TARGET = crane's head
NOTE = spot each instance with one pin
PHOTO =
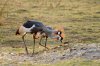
(60, 35)
(57, 34)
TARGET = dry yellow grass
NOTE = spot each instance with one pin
(79, 18)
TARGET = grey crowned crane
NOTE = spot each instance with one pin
(37, 28)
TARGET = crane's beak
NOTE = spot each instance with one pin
(61, 41)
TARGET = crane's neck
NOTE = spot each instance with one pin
(49, 32)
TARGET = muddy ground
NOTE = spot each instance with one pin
(87, 51)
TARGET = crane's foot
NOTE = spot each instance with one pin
(32, 54)
(46, 48)
(26, 51)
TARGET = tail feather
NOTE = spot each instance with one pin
(17, 32)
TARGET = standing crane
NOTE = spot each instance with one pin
(38, 28)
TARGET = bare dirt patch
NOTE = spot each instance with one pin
(87, 51)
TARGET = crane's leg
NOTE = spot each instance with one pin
(25, 44)
(46, 43)
(33, 44)
(41, 44)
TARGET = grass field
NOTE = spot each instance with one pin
(80, 19)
